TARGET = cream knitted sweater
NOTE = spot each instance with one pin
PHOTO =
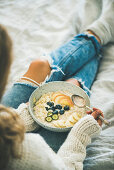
(35, 154)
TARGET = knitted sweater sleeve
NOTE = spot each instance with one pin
(104, 25)
(30, 124)
(73, 151)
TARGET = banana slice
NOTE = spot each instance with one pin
(72, 119)
(59, 123)
(69, 123)
(76, 116)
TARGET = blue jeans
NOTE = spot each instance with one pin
(78, 59)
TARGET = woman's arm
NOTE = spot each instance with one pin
(30, 124)
(103, 27)
(73, 151)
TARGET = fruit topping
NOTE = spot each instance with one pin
(47, 108)
(55, 117)
(50, 104)
(49, 114)
(62, 99)
(61, 111)
(66, 108)
(56, 94)
(58, 106)
(48, 118)
(63, 104)
(55, 112)
(52, 108)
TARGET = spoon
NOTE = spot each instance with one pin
(79, 101)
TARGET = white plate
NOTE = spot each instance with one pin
(52, 87)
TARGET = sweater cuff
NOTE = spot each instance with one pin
(87, 125)
(30, 124)
(86, 128)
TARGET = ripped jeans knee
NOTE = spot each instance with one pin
(78, 58)
(56, 74)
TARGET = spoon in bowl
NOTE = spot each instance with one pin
(79, 101)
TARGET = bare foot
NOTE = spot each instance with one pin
(96, 36)
(73, 81)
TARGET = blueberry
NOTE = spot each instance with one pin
(47, 108)
(50, 104)
(55, 112)
(58, 106)
(52, 108)
(66, 108)
(61, 111)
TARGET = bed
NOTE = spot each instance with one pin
(37, 27)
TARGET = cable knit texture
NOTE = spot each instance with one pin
(30, 124)
(73, 151)
(35, 154)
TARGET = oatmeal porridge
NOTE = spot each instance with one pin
(56, 109)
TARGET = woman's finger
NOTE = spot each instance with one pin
(95, 114)
(89, 112)
(99, 122)
(102, 114)
(94, 108)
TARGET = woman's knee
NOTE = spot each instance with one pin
(41, 65)
(73, 81)
(38, 70)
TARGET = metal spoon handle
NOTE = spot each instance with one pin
(106, 122)
(89, 108)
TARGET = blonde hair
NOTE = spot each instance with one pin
(11, 126)
(5, 58)
(11, 134)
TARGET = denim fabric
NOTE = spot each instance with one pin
(78, 58)
(87, 74)
(19, 93)
(73, 55)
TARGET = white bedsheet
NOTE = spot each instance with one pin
(39, 26)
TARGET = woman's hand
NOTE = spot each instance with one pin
(96, 113)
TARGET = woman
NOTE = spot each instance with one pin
(29, 151)
(76, 62)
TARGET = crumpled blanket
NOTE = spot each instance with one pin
(36, 28)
